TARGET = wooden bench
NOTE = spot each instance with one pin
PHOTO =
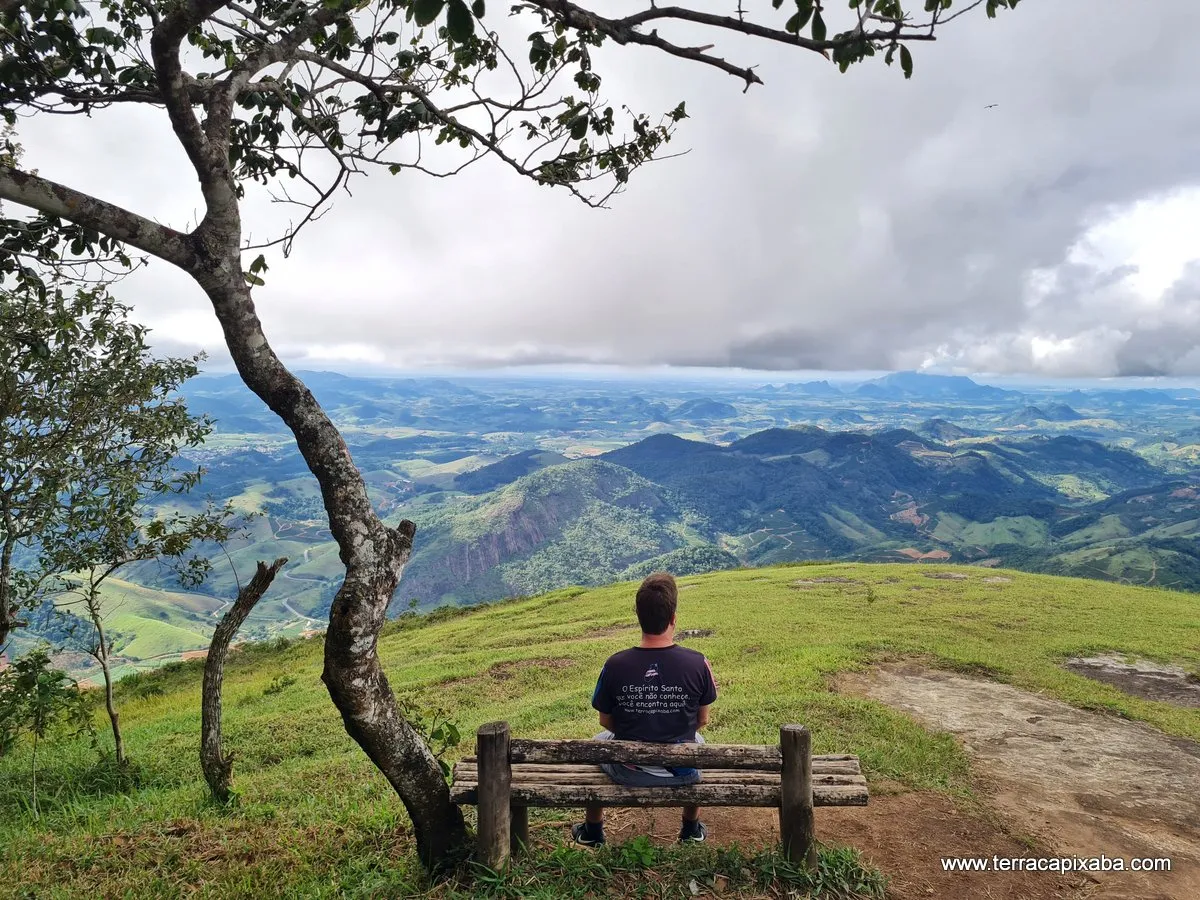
(506, 777)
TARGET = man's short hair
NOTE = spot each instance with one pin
(656, 601)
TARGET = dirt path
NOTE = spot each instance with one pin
(1080, 783)
(904, 835)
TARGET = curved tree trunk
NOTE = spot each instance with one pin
(374, 556)
(218, 768)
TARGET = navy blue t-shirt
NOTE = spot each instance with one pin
(654, 694)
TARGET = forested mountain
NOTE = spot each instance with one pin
(524, 485)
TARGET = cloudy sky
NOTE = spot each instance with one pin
(819, 222)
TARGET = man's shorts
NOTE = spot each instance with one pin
(648, 776)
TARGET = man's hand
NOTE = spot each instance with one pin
(702, 717)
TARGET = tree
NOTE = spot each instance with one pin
(93, 429)
(302, 95)
(89, 427)
(120, 536)
(217, 766)
(35, 699)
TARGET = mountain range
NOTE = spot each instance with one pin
(524, 485)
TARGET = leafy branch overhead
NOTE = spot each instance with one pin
(266, 87)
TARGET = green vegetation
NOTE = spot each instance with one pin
(1067, 497)
(314, 818)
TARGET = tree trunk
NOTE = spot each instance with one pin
(33, 774)
(8, 608)
(101, 654)
(361, 692)
(217, 767)
(374, 556)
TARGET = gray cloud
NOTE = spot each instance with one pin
(821, 221)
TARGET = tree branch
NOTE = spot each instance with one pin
(53, 199)
(172, 83)
(624, 31)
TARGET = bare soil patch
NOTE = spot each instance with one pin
(997, 579)
(1080, 783)
(1141, 678)
(905, 836)
(809, 582)
(694, 633)
(947, 576)
(506, 670)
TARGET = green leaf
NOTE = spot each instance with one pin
(425, 11)
(818, 27)
(579, 128)
(478, 9)
(906, 61)
(254, 280)
(804, 11)
(460, 24)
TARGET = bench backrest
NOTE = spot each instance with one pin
(700, 756)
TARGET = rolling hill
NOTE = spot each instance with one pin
(506, 479)
(535, 521)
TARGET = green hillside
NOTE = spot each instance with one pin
(315, 819)
(494, 523)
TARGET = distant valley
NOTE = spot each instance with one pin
(519, 486)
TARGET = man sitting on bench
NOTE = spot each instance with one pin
(659, 692)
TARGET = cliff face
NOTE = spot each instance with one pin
(464, 558)
(513, 534)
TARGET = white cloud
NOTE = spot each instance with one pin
(821, 221)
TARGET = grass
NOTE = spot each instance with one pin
(315, 819)
(1023, 530)
(640, 869)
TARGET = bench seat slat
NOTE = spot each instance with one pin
(530, 775)
(830, 763)
(563, 769)
(576, 795)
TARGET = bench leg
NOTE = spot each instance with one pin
(520, 829)
(494, 794)
(796, 825)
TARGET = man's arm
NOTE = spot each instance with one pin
(709, 697)
(602, 702)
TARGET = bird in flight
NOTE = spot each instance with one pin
(990, 105)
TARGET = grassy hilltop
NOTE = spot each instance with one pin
(315, 819)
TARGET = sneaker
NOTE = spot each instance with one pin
(590, 834)
(693, 832)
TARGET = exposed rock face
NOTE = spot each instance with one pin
(468, 556)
